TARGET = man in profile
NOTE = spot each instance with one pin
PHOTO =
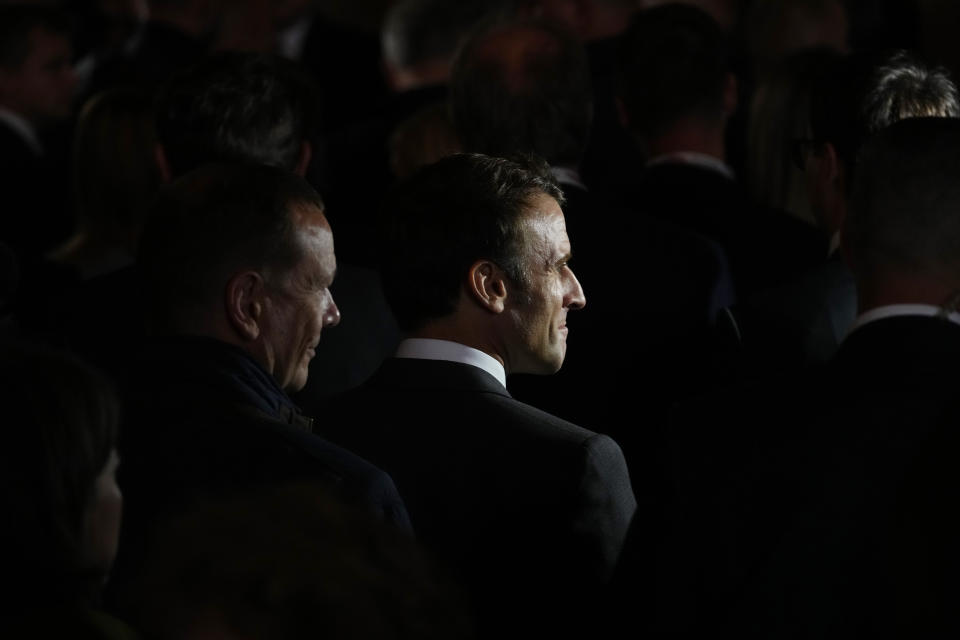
(242, 107)
(528, 510)
(237, 263)
(37, 85)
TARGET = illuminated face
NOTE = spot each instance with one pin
(299, 304)
(42, 88)
(538, 315)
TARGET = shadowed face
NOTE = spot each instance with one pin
(299, 304)
(539, 313)
(41, 89)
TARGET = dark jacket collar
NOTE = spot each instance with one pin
(221, 374)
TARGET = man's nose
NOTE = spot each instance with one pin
(332, 317)
(576, 299)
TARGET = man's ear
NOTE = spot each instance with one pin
(486, 283)
(244, 301)
(160, 156)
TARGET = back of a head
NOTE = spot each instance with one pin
(868, 92)
(62, 418)
(115, 172)
(445, 217)
(235, 107)
(774, 30)
(672, 64)
(417, 32)
(905, 201)
(523, 87)
(211, 222)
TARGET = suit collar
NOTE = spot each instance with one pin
(432, 349)
(904, 310)
(694, 159)
(408, 374)
(905, 343)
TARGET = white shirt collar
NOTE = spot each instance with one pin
(432, 349)
(693, 158)
(893, 310)
(22, 127)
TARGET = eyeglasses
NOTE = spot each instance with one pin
(800, 150)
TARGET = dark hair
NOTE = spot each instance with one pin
(448, 215)
(419, 31)
(236, 107)
(16, 23)
(213, 221)
(62, 419)
(673, 63)
(779, 123)
(114, 171)
(867, 92)
(906, 196)
(523, 87)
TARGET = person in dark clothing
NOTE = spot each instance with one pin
(527, 509)
(60, 500)
(237, 263)
(37, 84)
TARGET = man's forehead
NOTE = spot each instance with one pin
(545, 224)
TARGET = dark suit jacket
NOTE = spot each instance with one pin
(36, 214)
(202, 419)
(765, 247)
(842, 568)
(785, 500)
(799, 323)
(528, 510)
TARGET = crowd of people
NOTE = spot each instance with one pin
(527, 318)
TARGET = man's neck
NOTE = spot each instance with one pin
(452, 351)
(689, 135)
(893, 288)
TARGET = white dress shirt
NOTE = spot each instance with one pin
(431, 349)
(893, 310)
(696, 159)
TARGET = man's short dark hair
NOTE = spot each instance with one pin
(531, 94)
(212, 222)
(235, 107)
(445, 217)
(16, 23)
(673, 63)
(865, 93)
(906, 199)
(420, 31)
